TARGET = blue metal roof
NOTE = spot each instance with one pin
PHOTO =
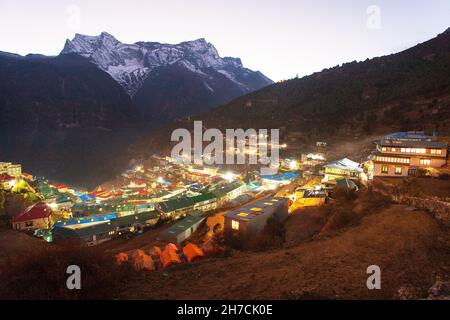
(408, 135)
(86, 197)
(95, 218)
(281, 176)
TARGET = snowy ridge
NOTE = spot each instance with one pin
(130, 64)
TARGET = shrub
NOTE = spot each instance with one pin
(344, 195)
(421, 172)
(372, 201)
(444, 176)
(272, 236)
(410, 187)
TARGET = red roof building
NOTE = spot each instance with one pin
(36, 216)
(27, 176)
(4, 177)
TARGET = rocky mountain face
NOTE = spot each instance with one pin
(62, 117)
(169, 81)
(72, 117)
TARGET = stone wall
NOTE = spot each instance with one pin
(438, 208)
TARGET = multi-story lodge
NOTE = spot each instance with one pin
(403, 153)
(342, 169)
(14, 170)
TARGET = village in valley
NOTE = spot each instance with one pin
(160, 213)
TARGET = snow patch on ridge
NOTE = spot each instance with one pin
(130, 64)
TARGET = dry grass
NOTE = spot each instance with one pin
(42, 274)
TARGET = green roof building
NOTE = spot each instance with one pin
(174, 208)
(182, 230)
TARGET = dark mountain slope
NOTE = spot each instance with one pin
(326, 101)
(61, 116)
(174, 91)
(404, 91)
(169, 81)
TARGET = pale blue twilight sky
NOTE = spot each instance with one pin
(278, 37)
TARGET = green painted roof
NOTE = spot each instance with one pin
(222, 191)
(182, 225)
(346, 183)
(137, 218)
(83, 232)
(184, 202)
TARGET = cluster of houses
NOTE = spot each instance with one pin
(99, 216)
(91, 221)
(398, 154)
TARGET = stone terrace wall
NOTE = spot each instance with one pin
(438, 208)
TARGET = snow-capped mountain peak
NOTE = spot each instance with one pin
(130, 64)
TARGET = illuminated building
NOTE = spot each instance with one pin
(403, 153)
(310, 198)
(246, 222)
(14, 170)
(228, 192)
(36, 216)
(343, 168)
(178, 207)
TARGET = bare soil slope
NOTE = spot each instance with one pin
(409, 246)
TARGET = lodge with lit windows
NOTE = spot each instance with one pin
(403, 153)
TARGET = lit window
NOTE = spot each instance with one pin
(393, 149)
(425, 162)
(242, 214)
(383, 149)
(398, 170)
(255, 209)
(436, 151)
(403, 150)
(384, 169)
(234, 225)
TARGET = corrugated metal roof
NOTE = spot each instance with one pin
(36, 211)
(182, 225)
(281, 176)
(184, 202)
(255, 209)
(344, 164)
(223, 190)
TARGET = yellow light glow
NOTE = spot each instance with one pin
(53, 205)
(229, 176)
(293, 165)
